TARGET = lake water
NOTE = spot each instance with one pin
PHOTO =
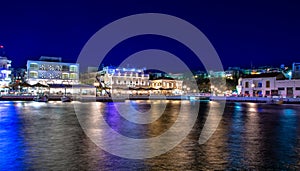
(48, 136)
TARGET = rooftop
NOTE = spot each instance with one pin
(278, 75)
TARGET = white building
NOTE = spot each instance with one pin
(50, 70)
(288, 88)
(267, 85)
(167, 86)
(120, 80)
(5, 72)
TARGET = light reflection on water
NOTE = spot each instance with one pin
(47, 136)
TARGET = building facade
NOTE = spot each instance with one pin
(296, 71)
(261, 85)
(268, 85)
(50, 70)
(166, 86)
(120, 80)
(5, 71)
(288, 88)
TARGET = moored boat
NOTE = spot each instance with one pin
(276, 101)
(66, 99)
(41, 98)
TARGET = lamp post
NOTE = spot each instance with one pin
(212, 90)
(184, 89)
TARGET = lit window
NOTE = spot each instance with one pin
(65, 76)
(73, 76)
(73, 68)
(34, 66)
(259, 85)
(33, 74)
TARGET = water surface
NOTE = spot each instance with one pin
(48, 136)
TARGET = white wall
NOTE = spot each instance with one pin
(295, 84)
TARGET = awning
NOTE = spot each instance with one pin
(39, 85)
(21, 84)
(71, 86)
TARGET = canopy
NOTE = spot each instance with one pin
(21, 84)
(3, 86)
(39, 85)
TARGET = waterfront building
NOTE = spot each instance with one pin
(268, 85)
(288, 88)
(216, 74)
(200, 75)
(166, 86)
(51, 70)
(121, 80)
(296, 71)
(5, 72)
(232, 73)
(157, 74)
(259, 84)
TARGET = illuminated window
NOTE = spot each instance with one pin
(73, 68)
(33, 74)
(34, 66)
(259, 85)
(73, 76)
(65, 76)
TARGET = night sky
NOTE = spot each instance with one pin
(259, 32)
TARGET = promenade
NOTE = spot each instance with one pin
(255, 99)
(123, 98)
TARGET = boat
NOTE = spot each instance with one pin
(66, 98)
(198, 98)
(41, 98)
(275, 101)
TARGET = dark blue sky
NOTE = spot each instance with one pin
(262, 32)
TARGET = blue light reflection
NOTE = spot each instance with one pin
(11, 141)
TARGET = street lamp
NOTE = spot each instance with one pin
(184, 88)
(212, 90)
